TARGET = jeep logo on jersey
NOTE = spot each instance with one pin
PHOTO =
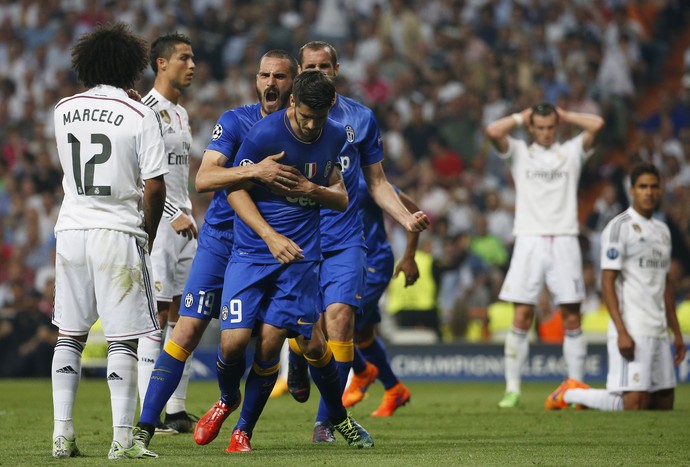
(165, 116)
(188, 300)
(217, 132)
(350, 132)
(310, 169)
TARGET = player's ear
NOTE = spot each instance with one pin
(292, 100)
(161, 63)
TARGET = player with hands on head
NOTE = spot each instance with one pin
(546, 230)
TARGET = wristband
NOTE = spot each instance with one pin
(519, 119)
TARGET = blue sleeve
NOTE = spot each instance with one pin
(371, 145)
(225, 139)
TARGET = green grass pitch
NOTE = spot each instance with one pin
(444, 424)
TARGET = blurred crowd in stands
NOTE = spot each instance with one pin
(434, 71)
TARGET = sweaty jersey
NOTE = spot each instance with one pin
(546, 182)
(640, 249)
(294, 217)
(227, 137)
(379, 251)
(178, 140)
(108, 145)
(364, 147)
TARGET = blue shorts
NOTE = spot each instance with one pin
(283, 295)
(378, 278)
(202, 292)
(343, 273)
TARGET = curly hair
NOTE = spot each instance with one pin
(110, 54)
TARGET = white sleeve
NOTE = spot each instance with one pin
(612, 247)
(151, 147)
(512, 143)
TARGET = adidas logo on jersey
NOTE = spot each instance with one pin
(67, 370)
(114, 377)
(171, 130)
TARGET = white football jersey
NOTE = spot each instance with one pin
(546, 182)
(640, 249)
(108, 145)
(178, 141)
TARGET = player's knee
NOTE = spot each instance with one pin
(636, 401)
(188, 332)
(340, 323)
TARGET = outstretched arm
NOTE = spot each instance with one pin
(590, 124)
(282, 248)
(213, 175)
(386, 197)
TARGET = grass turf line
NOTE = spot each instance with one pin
(444, 424)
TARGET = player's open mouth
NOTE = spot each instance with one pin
(271, 95)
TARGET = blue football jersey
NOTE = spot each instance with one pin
(364, 147)
(227, 137)
(294, 217)
(379, 252)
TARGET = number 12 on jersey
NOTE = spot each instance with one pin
(87, 187)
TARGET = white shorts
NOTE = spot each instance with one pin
(103, 273)
(554, 261)
(651, 370)
(171, 260)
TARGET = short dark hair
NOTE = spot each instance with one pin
(641, 169)
(543, 109)
(283, 55)
(164, 47)
(314, 89)
(110, 54)
(318, 45)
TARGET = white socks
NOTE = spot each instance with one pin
(599, 399)
(121, 371)
(516, 353)
(574, 353)
(66, 373)
(149, 350)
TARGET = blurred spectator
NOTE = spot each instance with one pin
(447, 164)
(436, 68)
